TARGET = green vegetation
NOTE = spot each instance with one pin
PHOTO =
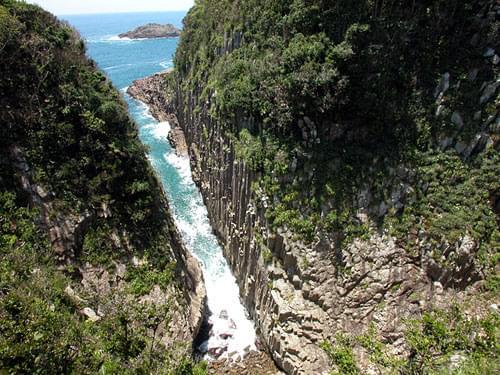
(54, 104)
(440, 334)
(377, 352)
(267, 255)
(334, 107)
(323, 99)
(342, 356)
(456, 201)
(433, 340)
(66, 132)
(142, 278)
(41, 329)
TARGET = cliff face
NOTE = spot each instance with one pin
(66, 235)
(94, 275)
(361, 231)
(307, 293)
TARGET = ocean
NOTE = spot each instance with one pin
(124, 61)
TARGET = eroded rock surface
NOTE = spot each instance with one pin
(147, 90)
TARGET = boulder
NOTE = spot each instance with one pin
(217, 351)
(457, 120)
(90, 314)
(489, 91)
(444, 84)
(490, 52)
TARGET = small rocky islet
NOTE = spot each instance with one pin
(152, 31)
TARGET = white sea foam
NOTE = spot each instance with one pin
(166, 64)
(231, 331)
(145, 112)
(116, 38)
(228, 316)
(108, 39)
(117, 66)
(181, 164)
(157, 130)
(161, 130)
(187, 230)
(231, 328)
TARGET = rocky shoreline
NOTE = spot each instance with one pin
(254, 363)
(146, 90)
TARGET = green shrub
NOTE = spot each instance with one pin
(142, 278)
(439, 334)
(266, 254)
(341, 355)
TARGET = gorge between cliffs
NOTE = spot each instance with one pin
(300, 187)
(227, 332)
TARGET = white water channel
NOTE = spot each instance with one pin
(232, 333)
(124, 61)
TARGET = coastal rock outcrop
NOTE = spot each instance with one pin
(154, 91)
(152, 31)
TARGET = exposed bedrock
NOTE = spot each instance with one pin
(305, 295)
(152, 31)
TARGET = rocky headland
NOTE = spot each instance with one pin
(152, 31)
(147, 91)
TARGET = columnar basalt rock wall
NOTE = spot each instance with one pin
(307, 293)
(305, 296)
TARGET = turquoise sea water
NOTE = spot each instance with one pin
(124, 61)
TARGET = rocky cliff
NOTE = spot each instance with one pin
(94, 275)
(154, 92)
(360, 240)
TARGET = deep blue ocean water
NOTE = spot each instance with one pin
(124, 61)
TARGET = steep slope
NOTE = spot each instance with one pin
(93, 274)
(348, 157)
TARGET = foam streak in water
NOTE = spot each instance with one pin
(231, 327)
(232, 331)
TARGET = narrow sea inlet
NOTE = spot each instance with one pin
(124, 61)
